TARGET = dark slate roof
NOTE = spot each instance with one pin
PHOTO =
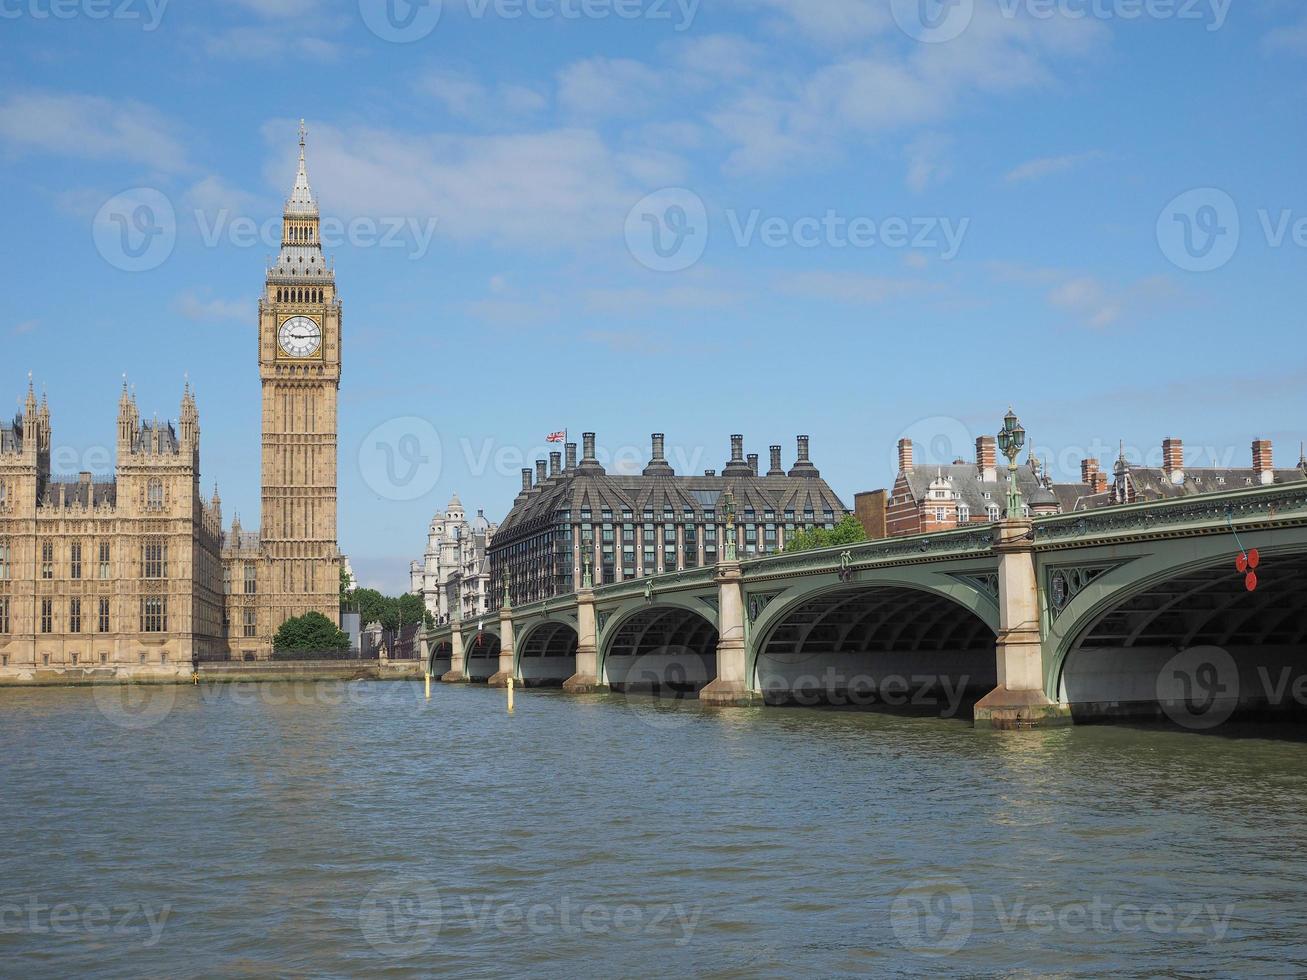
(77, 493)
(11, 436)
(1154, 484)
(167, 438)
(240, 540)
(589, 486)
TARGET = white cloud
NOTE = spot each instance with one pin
(926, 161)
(836, 22)
(1047, 166)
(27, 326)
(89, 126)
(262, 44)
(467, 98)
(544, 189)
(1290, 39)
(193, 307)
(598, 88)
(852, 288)
(278, 8)
(1100, 305)
(789, 119)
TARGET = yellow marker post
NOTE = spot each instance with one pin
(510, 695)
(428, 676)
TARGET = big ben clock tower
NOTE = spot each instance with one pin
(299, 364)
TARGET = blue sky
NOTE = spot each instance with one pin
(867, 228)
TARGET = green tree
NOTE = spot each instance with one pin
(346, 586)
(372, 605)
(310, 633)
(847, 531)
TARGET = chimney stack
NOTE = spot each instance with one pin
(905, 455)
(776, 468)
(737, 466)
(1091, 472)
(753, 463)
(571, 457)
(1263, 462)
(526, 481)
(589, 461)
(803, 465)
(541, 472)
(987, 458)
(1173, 460)
(658, 465)
(555, 464)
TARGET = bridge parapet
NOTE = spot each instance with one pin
(1205, 514)
(938, 546)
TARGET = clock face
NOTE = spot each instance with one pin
(300, 336)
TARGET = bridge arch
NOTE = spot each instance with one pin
(1135, 643)
(922, 640)
(546, 653)
(440, 657)
(662, 648)
(481, 654)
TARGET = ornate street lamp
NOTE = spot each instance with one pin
(728, 503)
(1011, 440)
(587, 561)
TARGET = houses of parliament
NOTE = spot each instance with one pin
(133, 576)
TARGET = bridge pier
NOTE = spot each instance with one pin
(586, 680)
(1019, 701)
(457, 658)
(730, 689)
(507, 665)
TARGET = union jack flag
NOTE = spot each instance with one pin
(557, 436)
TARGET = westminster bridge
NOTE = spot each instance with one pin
(1132, 611)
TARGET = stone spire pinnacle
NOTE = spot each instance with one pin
(301, 201)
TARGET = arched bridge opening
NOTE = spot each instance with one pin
(1197, 649)
(441, 658)
(883, 648)
(662, 651)
(481, 652)
(548, 656)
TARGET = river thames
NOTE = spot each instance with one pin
(346, 829)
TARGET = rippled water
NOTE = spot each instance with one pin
(337, 830)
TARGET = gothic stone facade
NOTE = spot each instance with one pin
(648, 523)
(103, 578)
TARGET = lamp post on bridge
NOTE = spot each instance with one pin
(1011, 440)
